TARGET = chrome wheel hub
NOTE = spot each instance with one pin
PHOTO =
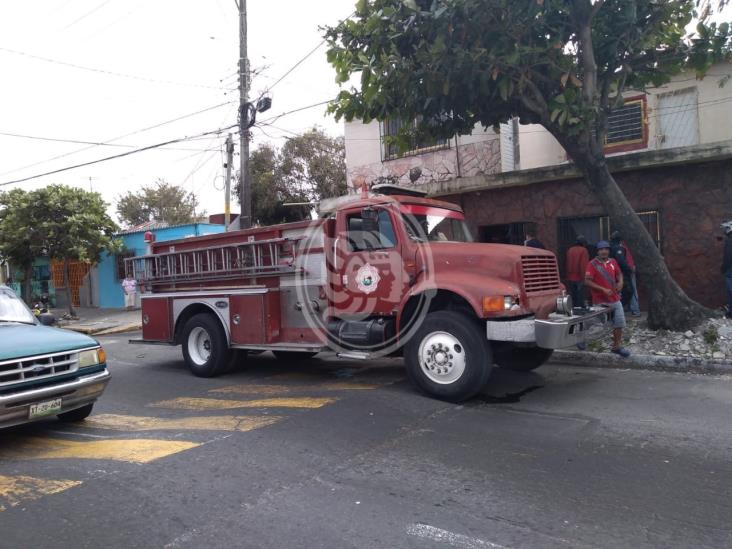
(199, 346)
(442, 357)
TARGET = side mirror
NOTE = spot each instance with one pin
(329, 227)
(369, 220)
(47, 319)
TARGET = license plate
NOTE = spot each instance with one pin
(48, 408)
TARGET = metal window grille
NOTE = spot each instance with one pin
(596, 228)
(625, 124)
(391, 127)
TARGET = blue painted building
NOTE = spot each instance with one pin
(110, 270)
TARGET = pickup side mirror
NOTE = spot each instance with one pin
(369, 220)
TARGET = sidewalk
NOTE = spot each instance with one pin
(706, 349)
(95, 321)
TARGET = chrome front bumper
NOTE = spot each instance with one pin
(14, 407)
(556, 332)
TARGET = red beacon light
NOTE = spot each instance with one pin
(149, 237)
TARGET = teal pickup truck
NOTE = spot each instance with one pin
(45, 371)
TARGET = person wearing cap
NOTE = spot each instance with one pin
(727, 265)
(576, 262)
(605, 279)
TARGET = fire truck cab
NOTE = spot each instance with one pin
(388, 273)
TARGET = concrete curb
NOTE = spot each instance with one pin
(133, 327)
(642, 362)
(104, 330)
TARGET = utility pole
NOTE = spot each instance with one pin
(227, 199)
(245, 218)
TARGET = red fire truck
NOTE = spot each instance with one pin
(385, 273)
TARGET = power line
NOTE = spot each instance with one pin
(302, 60)
(107, 141)
(80, 142)
(110, 73)
(87, 14)
(113, 157)
(286, 113)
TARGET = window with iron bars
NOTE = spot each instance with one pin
(391, 128)
(120, 258)
(599, 227)
(627, 126)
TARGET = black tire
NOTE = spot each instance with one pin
(80, 414)
(293, 355)
(205, 331)
(471, 344)
(522, 359)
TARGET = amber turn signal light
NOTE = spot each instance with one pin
(493, 303)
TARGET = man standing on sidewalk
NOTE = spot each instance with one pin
(129, 287)
(605, 280)
(577, 259)
(727, 265)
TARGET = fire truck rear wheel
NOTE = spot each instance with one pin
(293, 355)
(205, 348)
(449, 357)
(522, 359)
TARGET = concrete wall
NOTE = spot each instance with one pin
(110, 288)
(539, 148)
(478, 153)
(691, 200)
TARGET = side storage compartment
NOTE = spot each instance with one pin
(157, 319)
(255, 319)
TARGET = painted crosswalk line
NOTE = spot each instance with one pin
(130, 450)
(246, 389)
(15, 490)
(241, 424)
(218, 404)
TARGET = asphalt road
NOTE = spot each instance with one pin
(342, 454)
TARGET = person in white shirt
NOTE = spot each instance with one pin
(129, 287)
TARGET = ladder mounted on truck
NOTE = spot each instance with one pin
(229, 261)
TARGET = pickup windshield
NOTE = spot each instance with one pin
(12, 309)
(429, 224)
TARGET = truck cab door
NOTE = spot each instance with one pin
(368, 268)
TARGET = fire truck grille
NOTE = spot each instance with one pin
(540, 273)
(37, 367)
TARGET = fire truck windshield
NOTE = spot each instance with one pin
(432, 224)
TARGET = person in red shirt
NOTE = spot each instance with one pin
(605, 280)
(576, 262)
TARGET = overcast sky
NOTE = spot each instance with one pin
(180, 53)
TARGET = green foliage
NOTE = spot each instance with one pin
(18, 242)
(563, 64)
(309, 167)
(63, 223)
(711, 335)
(162, 202)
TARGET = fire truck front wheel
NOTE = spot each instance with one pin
(205, 348)
(448, 357)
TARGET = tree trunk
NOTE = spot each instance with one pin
(68, 289)
(669, 306)
(27, 287)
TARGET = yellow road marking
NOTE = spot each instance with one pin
(252, 390)
(16, 490)
(284, 389)
(206, 423)
(217, 404)
(132, 450)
